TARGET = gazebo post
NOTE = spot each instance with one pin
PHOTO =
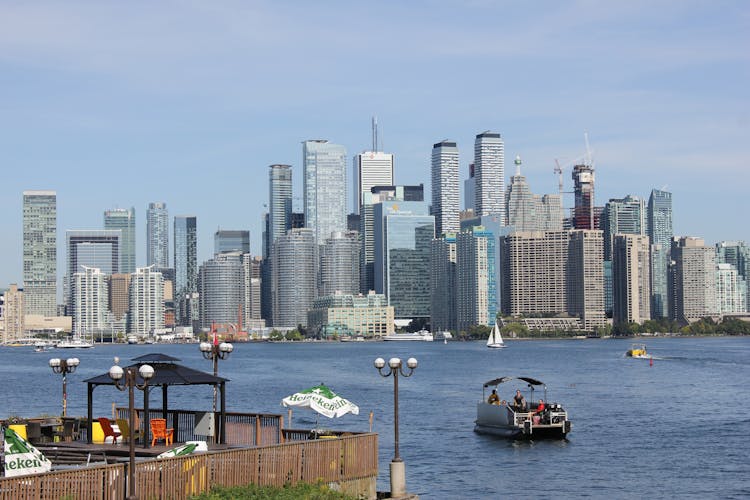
(146, 420)
(90, 424)
(222, 431)
(164, 401)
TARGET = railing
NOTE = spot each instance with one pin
(347, 458)
(106, 482)
(251, 429)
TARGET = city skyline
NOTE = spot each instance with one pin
(663, 98)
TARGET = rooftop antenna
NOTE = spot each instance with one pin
(375, 134)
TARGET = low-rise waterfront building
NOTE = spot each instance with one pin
(354, 315)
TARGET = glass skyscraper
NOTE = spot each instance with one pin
(445, 195)
(94, 249)
(660, 233)
(371, 168)
(40, 252)
(185, 253)
(124, 220)
(324, 186)
(280, 203)
(226, 240)
(157, 235)
(622, 216)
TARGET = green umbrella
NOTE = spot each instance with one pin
(323, 400)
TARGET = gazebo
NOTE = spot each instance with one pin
(166, 373)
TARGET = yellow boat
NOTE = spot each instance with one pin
(638, 351)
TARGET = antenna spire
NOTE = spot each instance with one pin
(375, 134)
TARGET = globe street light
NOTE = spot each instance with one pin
(130, 382)
(395, 367)
(64, 366)
(216, 351)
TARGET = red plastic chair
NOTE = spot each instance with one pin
(108, 430)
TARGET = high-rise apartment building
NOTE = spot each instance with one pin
(736, 254)
(40, 252)
(584, 212)
(476, 288)
(157, 235)
(324, 186)
(13, 314)
(470, 189)
(185, 254)
(622, 216)
(90, 302)
(489, 171)
(631, 278)
(445, 196)
(731, 290)
(371, 168)
(99, 249)
(402, 235)
(339, 264)
(124, 220)
(146, 301)
(293, 274)
(692, 280)
(585, 278)
(443, 283)
(660, 233)
(119, 295)
(221, 283)
(279, 202)
(226, 240)
(251, 267)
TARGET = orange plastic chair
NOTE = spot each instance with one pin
(159, 431)
(107, 429)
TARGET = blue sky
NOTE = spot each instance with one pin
(116, 104)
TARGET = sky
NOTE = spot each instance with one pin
(118, 104)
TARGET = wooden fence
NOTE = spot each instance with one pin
(338, 459)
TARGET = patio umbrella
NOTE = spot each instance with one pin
(323, 400)
(21, 457)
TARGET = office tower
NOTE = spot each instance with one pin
(443, 283)
(470, 189)
(298, 220)
(252, 268)
(371, 168)
(549, 212)
(585, 278)
(124, 220)
(185, 254)
(622, 216)
(146, 301)
(489, 168)
(476, 288)
(339, 264)
(445, 187)
(692, 279)
(584, 216)
(495, 225)
(631, 278)
(90, 302)
(98, 249)
(221, 287)
(293, 274)
(13, 313)
(119, 295)
(731, 290)
(231, 241)
(279, 201)
(352, 222)
(526, 211)
(157, 235)
(402, 235)
(324, 186)
(40, 252)
(737, 254)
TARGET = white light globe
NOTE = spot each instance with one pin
(394, 363)
(54, 362)
(226, 347)
(379, 363)
(115, 373)
(411, 363)
(205, 347)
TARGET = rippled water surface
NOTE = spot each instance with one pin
(679, 428)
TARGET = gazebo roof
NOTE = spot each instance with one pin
(165, 373)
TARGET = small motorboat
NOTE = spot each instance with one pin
(534, 421)
(638, 351)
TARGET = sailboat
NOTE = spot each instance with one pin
(495, 340)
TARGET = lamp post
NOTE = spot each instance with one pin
(214, 352)
(130, 383)
(64, 366)
(396, 368)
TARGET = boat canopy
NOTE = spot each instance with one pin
(500, 380)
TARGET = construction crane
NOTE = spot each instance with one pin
(589, 153)
(559, 172)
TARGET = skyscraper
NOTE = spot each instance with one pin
(90, 302)
(585, 278)
(692, 280)
(622, 216)
(98, 249)
(736, 254)
(157, 235)
(13, 313)
(443, 283)
(339, 264)
(476, 288)
(324, 186)
(294, 282)
(584, 213)
(445, 196)
(185, 254)
(731, 290)
(124, 220)
(631, 278)
(40, 252)
(371, 168)
(226, 240)
(279, 201)
(489, 171)
(660, 233)
(527, 211)
(221, 287)
(252, 274)
(470, 189)
(146, 301)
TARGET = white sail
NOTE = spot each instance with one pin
(495, 340)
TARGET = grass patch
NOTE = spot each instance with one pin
(319, 491)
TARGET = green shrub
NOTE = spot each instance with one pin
(319, 491)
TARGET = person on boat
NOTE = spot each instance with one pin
(540, 407)
(519, 401)
(494, 399)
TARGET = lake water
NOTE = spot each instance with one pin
(678, 428)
